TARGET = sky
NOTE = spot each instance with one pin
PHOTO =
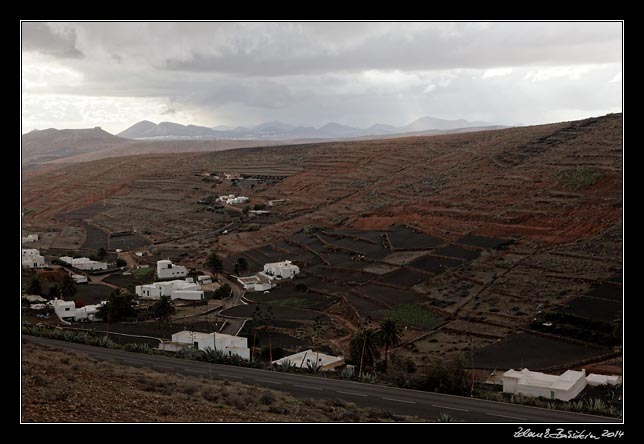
(114, 74)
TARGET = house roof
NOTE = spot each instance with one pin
(536, 379)
(300, 359)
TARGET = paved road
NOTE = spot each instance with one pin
(399, 401)
(233, 325)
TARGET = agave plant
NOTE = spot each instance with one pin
(190, 353)
(105, 342)
(444, 417)
(138, 348)
(596, 405)
(347, 372)
(213, 355)
(286, 365)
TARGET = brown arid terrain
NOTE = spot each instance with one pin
(468, 239)
(59, 386)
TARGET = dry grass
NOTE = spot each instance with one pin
(106, 392)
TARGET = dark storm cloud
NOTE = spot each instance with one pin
(425, 46)
(40, 37)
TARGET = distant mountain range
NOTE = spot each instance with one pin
(79, 145)
(282, 131)
(43, 145)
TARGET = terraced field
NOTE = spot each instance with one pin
(482, 230)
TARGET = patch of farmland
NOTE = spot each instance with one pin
(457, 252)
(604, 291)
(95, 238)
(411, 315)
(403, 277)
(373, 236)
(129, 242)
(403, 238)
(342, 276)
(343, 260)
(596, 309)
(91, 294)
(484, 242)
(403, 257)
(129, 281)
(365, 307)
(317, 284)
(378, 268)
(280, 313)
(389, 296)
(524, 350)
(435, 264)
(373, 251)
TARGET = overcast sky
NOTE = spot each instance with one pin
(80, 75)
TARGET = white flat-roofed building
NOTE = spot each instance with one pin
(309, 358)
(167, 270)
(31, 258)
(84, 263)
(204, 279)
(535, 384)
(281, 270)
(79, 278)
(167, 288)
(65, 310)
(228, 344)
(257, 282)
(237, 200)
(594, 379)
(88, 312)
(30, 239)
(188, 295)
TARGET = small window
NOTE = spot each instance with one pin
(66, 308)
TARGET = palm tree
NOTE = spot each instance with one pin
(34, 286)
(214, 263)
(242, 265)
(163, 308)
(364, 348)
(390, 333)
(68, 287)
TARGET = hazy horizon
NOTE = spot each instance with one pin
(115, 74)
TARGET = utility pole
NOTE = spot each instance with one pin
(364, 343)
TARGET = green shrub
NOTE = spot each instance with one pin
(578, 178)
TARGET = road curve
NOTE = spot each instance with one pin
(425, 405)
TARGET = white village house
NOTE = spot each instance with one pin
(29, 239)
(257, 282)
(281, 270)
(535, 384)
(176, 289)
(237, 200)
(594, 380)
(65, 310)
(84, 263)
(309, 358)
(88, 312)
(204, 279)
(228, 344)
(79, 278)
(31, 258)
(263, 280)
(167, 270)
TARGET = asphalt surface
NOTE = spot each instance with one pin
(399, 401)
